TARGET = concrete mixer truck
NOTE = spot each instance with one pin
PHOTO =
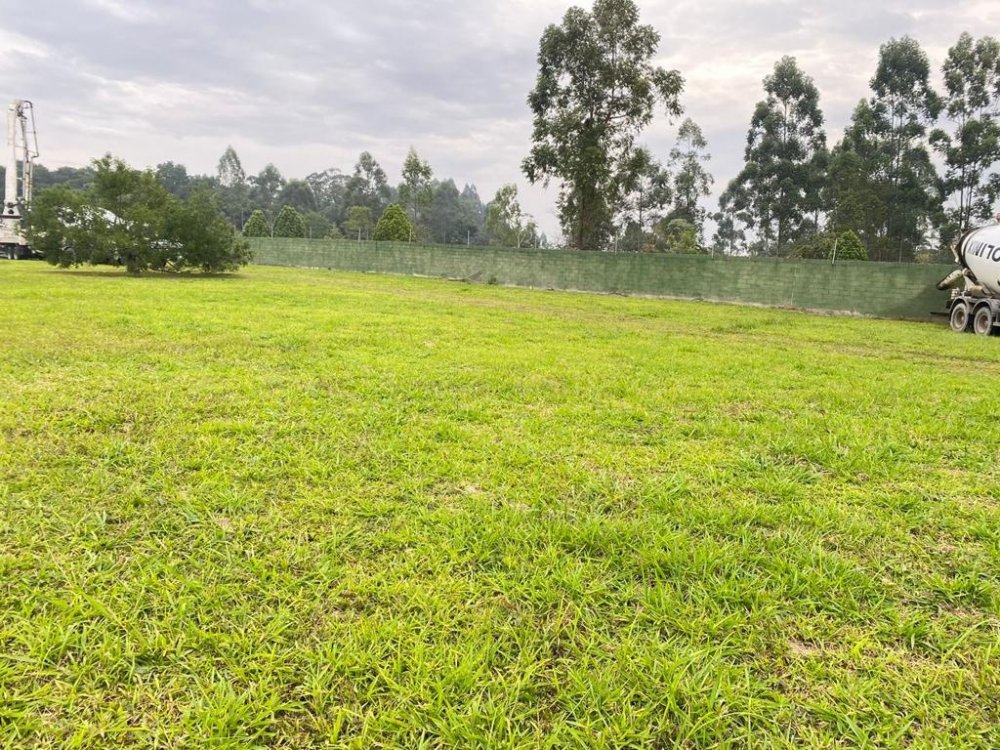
(975, 296)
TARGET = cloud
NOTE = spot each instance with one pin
(308, 84)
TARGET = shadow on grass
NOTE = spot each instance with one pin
(148, 275)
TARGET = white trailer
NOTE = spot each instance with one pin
(22, 150)
(975, 305)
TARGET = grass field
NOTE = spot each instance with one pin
(303, 509)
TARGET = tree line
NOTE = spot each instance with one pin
(878, 193)
(915, 167)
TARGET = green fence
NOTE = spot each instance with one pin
(890, 290)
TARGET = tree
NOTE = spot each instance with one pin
(359, 220)
(127, 218)
(394, 225)
(474, 212)
(289, 223)
(448, 220)
(368, 186)
(888, 135)
(298, 195)
(645, 199)
(692, 182)
(505, 221)
(972, 104)
(850, 247)
(596, 91)
(678, 236)
(329, 189)
(234, 191)
(777, 189)
(174, 177)
(257, 225)
(198, 236)
(266, 189)
(416, 191)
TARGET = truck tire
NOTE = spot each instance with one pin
(982, 321)
(960, 317)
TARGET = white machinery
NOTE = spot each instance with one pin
(976, 306)
(22, 150)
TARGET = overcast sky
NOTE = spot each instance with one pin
(309, 84)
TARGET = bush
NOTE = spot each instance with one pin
(850, 247)
(127, 218)
(289, 223)
(394, 226)
(257, 225)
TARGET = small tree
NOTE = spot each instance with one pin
(289, 223)
(359, 221)
(257, 225)
(850, 247)
(394, 226)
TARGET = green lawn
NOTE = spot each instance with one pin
(304, 509)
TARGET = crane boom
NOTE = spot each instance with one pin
(22, 150)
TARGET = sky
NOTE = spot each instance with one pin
(309, 84)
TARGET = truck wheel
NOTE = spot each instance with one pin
(982, 321)
(959, 317)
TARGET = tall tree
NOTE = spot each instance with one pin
(474, 211)
(266, 188)
(368, 185)
(645, 200)
(234, 190)
(447, 218)
(691, 179)
(972, 149)
(596, 90)
(506, 224)
(329, 188)
(888, 133)
(174, 178)
(777, 191)
(298, 195)
(416, 191)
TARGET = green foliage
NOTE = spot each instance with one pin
(891, 188)
(814, 247)
(199, 237)
(778, 190)
(850, 247)
(646, 198)
(127, 218)
(359, 222)
(450, 219)
(972, 150)
(506, 224)
(596, 91)
(327, 510)
(677, 236)
(298, 195)
(416, 192)
(394, 225)
(289, 223)
(266, 188)
(368, 186)
(691, 180)
(257, 225)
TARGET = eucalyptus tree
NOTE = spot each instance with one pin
(972, 150)
(596, 90)
(691, 180)
(645, 199)
(233, 187)
(776, 193)
(368, 185)
(890, 181)
(416, 192)
(265, 189)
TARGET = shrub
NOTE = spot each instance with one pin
(850, 247)
(394, 226)
(289, 223)
(257, 225)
